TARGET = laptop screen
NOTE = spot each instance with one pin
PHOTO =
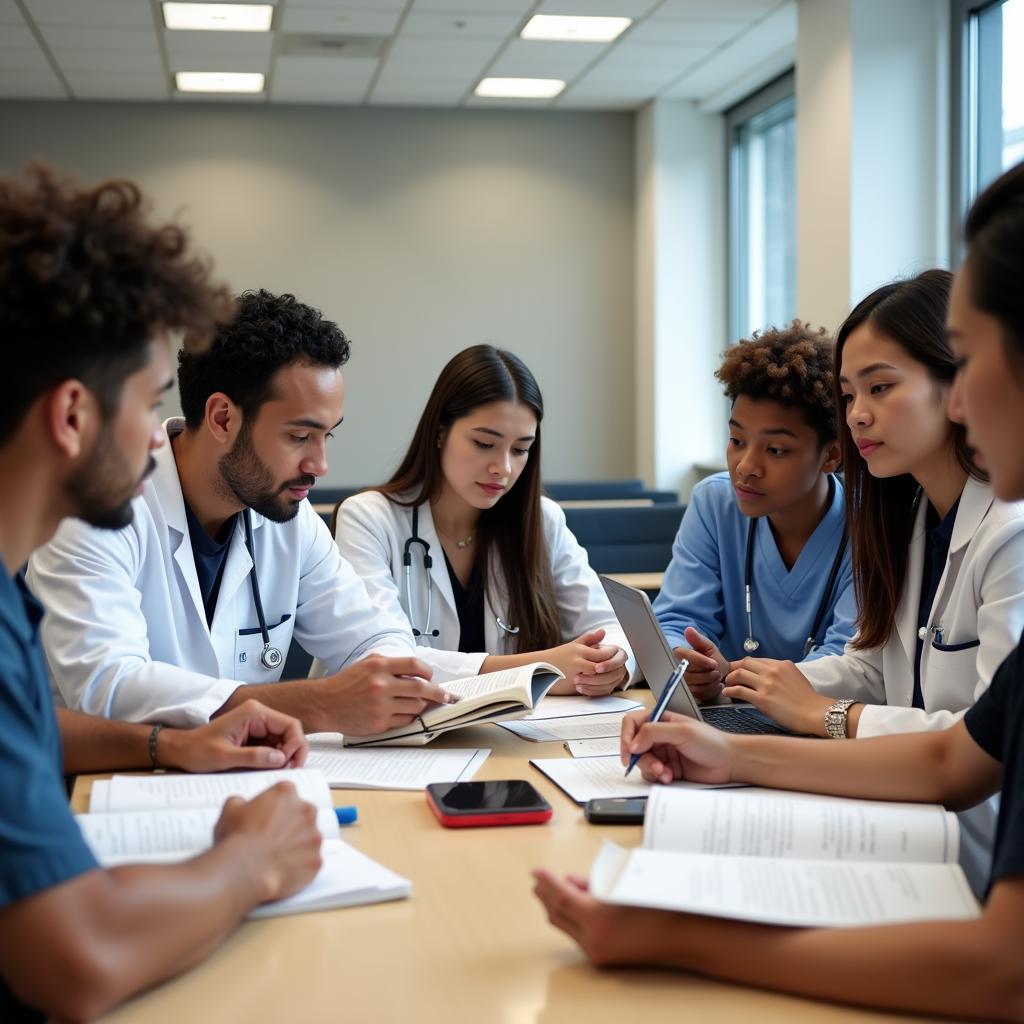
(650, 648)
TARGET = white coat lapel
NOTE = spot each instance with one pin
(171, 502)
(438, 569)
(236, 570)
(906, 619)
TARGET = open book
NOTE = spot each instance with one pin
(493, 697)
(789, 859)
(136, 819)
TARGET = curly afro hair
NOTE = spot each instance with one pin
(269, 332)
(86, 283)
(794, 366)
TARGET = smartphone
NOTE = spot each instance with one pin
(623, 810)
(468, 804)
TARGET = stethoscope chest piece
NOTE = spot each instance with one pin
(750, 645)
(271, 658)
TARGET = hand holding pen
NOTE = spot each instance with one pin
(659, 709)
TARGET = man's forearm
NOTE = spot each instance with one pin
(94, 744)
(299, 698)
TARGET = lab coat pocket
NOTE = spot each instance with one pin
(249, 647)
(951, 676)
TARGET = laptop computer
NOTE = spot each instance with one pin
(657, 662)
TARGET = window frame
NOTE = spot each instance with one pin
(781, 88)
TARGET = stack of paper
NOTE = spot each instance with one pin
(389, 767)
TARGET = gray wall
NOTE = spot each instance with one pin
(419, 231)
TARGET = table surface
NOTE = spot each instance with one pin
(471, 945)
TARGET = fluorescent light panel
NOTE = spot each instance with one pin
(219, 17)
(219, 81)
(564, 28)
(520, 88)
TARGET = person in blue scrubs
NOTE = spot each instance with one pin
(968, 969)
(87, 292)
(774, 521)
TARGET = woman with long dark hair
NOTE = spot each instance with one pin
(938, 562)
(461, 542)
(970, 969)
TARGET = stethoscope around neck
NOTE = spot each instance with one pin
(271, 657)
(751, 644)
(428, 564)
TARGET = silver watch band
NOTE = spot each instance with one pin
(836, 718)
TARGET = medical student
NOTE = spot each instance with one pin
(88, 290)
(189, 610)
(761, 563)
(970, 970)
(461, 544)
(938, 562)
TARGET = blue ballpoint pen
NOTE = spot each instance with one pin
(659, 709)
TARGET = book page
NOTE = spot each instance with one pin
(407, 768)
(135, 835)
(774, 823)
(153, 792)
(587, 778)
(578, 727)
(783, 892)
(601, 747)
(575, 707)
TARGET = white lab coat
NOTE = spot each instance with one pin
(371, 533)
(979, 606)
(125, 631)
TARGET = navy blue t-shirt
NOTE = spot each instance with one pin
(210, 556)
(996, 724)
(40, 843)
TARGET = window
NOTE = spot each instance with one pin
(762, 209)
(988, 62)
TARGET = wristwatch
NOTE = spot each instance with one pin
(835, 719)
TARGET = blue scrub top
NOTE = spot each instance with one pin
(703, 585)
(40, 842)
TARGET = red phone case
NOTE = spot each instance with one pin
(488, 817)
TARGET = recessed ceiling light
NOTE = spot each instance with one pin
(219, 17)
(563, 28)
(219, 81)
(520, 88)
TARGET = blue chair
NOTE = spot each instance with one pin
(627, 539)
(594, 490)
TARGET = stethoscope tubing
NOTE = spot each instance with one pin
(271, 657)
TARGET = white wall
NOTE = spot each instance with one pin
(420, 232)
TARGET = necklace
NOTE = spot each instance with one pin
(460, 544)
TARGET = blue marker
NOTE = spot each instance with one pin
(659, 709)
(346, 815)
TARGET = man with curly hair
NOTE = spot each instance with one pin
(187, 612)
(88, 293)
(750, 570)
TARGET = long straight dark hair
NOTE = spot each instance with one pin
(881, 512)
(514, 527)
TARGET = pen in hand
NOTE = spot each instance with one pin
(659, 709)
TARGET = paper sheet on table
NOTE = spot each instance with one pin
(578, 727)
(390, 767)
(605, 746)
(569, 707)
(588, 778)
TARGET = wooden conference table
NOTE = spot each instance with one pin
(472, 945)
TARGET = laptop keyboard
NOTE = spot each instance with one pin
(730, 720)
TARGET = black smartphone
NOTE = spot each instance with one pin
(622, 810)
(511, 802)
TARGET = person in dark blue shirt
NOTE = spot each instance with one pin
(969, 969)
(88, 292)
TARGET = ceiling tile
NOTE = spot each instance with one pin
(651, 78)
(599, 8)
(686, 30)
(23, 59)
(526, 58)
(241, 44)
(595, 103)
(343, 21)
(745, 9)
(318, 91)
(71, 59)
(88, 37)
(475, 6)
(444, 50)
(95, 13)
(17, 37)
(324, 69)
(642, 55)
(418, 91)
(32, 85)
(9, 13)
(621, 91)
(108, 85)
(461, 26)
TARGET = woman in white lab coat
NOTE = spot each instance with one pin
(938, 562)
(461, 542)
